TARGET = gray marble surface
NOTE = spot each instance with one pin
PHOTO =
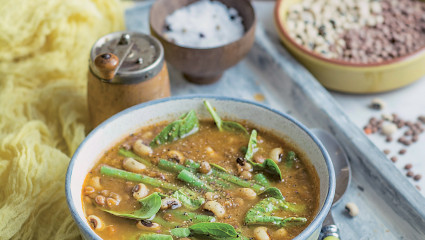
(390, 206)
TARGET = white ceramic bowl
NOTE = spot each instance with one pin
(122, 124)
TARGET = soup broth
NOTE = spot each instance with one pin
(215, 159)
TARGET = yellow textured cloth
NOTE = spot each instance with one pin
(44, 49)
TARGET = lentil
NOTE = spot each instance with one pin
(417, 177)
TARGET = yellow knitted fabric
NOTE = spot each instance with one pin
(44, 50)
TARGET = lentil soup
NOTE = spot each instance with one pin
(208, 183)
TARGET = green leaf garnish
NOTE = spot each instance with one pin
(224, 125)
(188, 200)
(268, 166)
(150, 206)
(273, 192)
(214, 230)
(180, 232)
(252, 145)
(186, 125)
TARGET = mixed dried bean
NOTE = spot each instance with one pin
(358, 31)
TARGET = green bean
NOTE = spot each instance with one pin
(220, 175)
(114, 172)
(171, 166)
(193, 181)
(191, 166)
(262, 180)
(235, 180)
(127, 153)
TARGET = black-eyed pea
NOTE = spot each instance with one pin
(275, 154)
(239, 201)
(210, 151)
(170, 203)
(215, 208)
(89, 190)
(245, 175)
(148, 226)
(140, 191)
(111, 202)
(280, 234)
(176, 156)
(247, 167)
(100, 200)
(247, 193)
(209, 196)
(87, 199)
(115, 196)
(95, 182)
(352, 209)
(141, 149)
(205, 167)
(105, 193)
(132, 165)
(95, 222)
(261, 233)
(259, 159)
(89, 211)
(147, 135)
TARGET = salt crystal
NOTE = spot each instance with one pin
(204, 24)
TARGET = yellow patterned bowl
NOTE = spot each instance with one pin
(350, 77)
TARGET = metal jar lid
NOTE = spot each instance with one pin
(141, 56)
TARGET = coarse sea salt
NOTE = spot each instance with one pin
(204, 24)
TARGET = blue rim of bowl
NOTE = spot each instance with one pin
(307, 232)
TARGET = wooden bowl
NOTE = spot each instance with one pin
(204, 65)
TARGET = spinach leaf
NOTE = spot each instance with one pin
(186, 125)
(224, 125)
(154, 236)
(268, 166)
(150, 206)
(192, 217)
(262, 213)
(290, 159)
(127, 153)
(188, 200)
(214, 230)
(262, 180)
(252, 145)
(273, 192)
(180, 232)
